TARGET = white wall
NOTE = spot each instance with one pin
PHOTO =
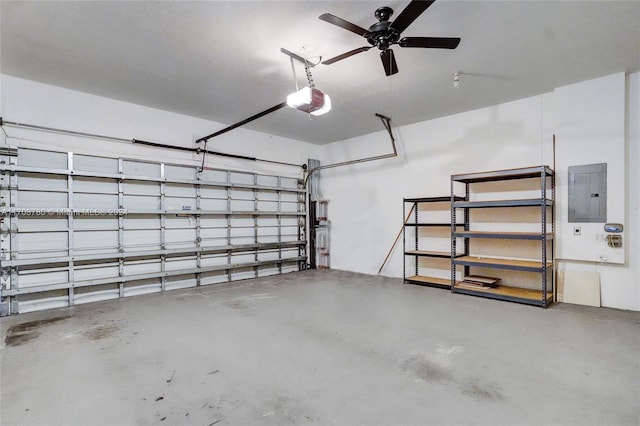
(45, 105)
(588, 120)
(366, 199)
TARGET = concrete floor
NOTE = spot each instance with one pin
(320, 348)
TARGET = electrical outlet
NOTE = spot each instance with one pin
(577, 230)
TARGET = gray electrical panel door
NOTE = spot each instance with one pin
(588, 193)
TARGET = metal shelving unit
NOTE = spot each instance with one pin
(416, 254)
(541, 177)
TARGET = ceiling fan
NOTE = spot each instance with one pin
(383, 34)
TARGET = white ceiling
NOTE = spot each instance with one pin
(221, 60)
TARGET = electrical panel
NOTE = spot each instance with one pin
(588, 193)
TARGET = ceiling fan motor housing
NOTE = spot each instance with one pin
(381, 34)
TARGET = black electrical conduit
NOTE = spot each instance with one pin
(141, 142)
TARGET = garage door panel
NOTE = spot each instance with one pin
(95, 223)
(140, 168)
(141, 222)
(96, 294)
(213, 175)
(137, 288)
(213, 192)
(92, 272)
(267, 180)
(176, 190)
(136, 267)
(42, 245)
(141, 188)
(42, 302)
(42, 200)
(242, 274)
(210, 204)
(43, 224)
(270, 206)
(141, 202)
(95, 242)
(180, 222)
(265, 271)
(241, 194)
(89, 163)
(181, 263)
(140, 240)
(213, 260)
(267, 195)
(180, 172)
(96, 201)
(30, 279)
(40, 182)
(242, 222)
(42, 159)
(217, 277)
(242, 232)
(243, 257)
(241, 178)
(180, 281)
(176, 238)
(95, 186)
(177, 203)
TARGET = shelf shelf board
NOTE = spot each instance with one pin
(431, 199)
(505, 235)
(528, 202)
(429, 281)
(434, 224)
(507, 174)
(430, 253)
(514, 294)
(501, 263)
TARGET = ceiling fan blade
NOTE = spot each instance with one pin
(409, 14)
(346, 55)
(332, 19)
(430, 42)
(389, 62)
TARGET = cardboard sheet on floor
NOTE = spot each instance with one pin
(581, 288)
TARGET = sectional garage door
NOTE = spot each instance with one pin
(78, 228)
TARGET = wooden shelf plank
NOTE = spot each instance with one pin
(430, 253)
(507, 174)
(432, 224)
(421, 279)
(507, 292)
(444, 199)
(505, 235)
(533, 265)
(525, 202)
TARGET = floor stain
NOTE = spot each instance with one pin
(484, 392)
(436, 368)
(101, 332)
(425, 369)
(20, 334)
